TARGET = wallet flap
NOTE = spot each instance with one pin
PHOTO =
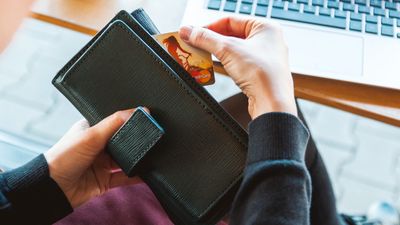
(134, 140)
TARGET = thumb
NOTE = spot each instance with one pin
(105, 129)
(203, 38)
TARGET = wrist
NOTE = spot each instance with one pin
(261, 105)
(267, 95)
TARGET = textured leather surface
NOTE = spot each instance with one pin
(196, 168)
(134, 140)
(143, 19)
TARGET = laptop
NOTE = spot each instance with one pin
(351, 40)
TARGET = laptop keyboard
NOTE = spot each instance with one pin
(376, 17)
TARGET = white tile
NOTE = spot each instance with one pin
(14, 117)
(358, 196)
(375, 161)
(36, 87)
(308, 108)
(335, 158)
(333, 126)
(376, 128)
(53, 125)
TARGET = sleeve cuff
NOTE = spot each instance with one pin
(34, 194)
(275, 136)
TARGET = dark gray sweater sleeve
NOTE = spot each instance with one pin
(28, 195)
(276, 188)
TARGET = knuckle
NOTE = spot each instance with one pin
(227, 45)
(117, 117)
(200, 37)
(224, 49)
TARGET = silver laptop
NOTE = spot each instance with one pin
(352, 40)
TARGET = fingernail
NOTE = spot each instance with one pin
(185, 32)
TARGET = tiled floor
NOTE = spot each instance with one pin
(362, 156)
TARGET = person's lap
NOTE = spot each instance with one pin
(137, 204)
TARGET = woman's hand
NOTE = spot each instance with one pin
(255, 55)
(80, 166)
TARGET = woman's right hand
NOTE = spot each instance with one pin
(255, 55)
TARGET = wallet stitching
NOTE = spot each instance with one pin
(105, 37)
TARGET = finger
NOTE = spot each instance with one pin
(233, 26)
(80, 125)
(120, 179)
(203, 38)
(106, 128)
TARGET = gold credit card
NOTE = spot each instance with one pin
(197, 62)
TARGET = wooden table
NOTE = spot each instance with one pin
(89, 16)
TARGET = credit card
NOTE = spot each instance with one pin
(197, 62)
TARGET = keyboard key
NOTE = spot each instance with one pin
(361, 2)
(398, 23)
(355, 16)
(376, 3)
(355, 25)
(261, 11)
(371, 19)
(348, 7)
(324, 11)
(387, 21)
(364, 9)
(308, 18)
(318, 2)
(302, 1)
(231, 0)
(340, 14)
(309, 9)
(387, 31)
(293, 7)
(390, 5)
(245, 8)
(263, 2)
(214, 4)
(230, 6)
(279, 4)
(379, 12)
(333, 5)
(394, 14)
(348, 1)
(398, 35)
(371, 28)
(247, 1)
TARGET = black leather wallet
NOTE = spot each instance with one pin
(196, 167)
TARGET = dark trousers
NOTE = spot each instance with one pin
(137, 205)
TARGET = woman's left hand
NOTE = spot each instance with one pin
(79, 164)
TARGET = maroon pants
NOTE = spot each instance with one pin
(134, 205)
